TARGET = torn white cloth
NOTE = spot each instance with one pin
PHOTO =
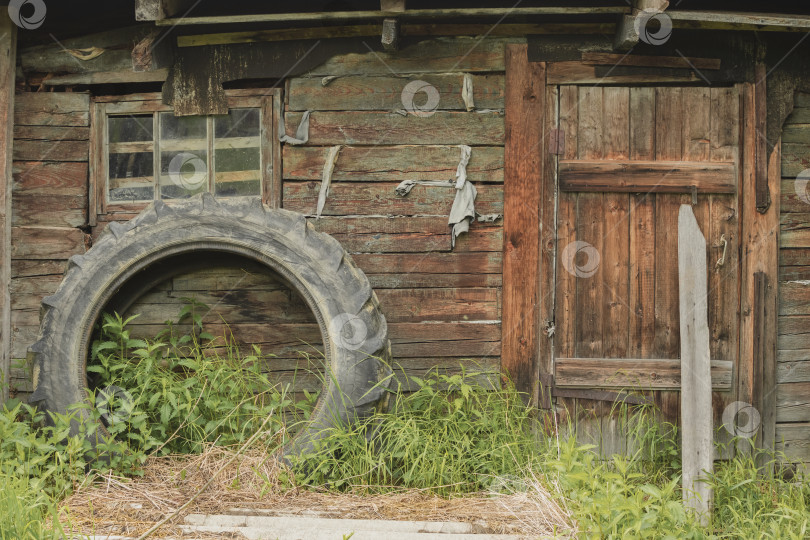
(467, 92)
(326, 177)
(462, 213)
(301, 134)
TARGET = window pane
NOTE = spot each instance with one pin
(237, 153)
(183, 156)
(130, 163)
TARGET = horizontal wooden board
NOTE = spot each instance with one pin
(610, 59)
(412, 242)
(51, 133)
(52, 109)
(797, 355)
(795, 159)
(385, 93)
(461, 54)
(576, 72)
(480, 239)
(26, 150)
(423, 340)
(647, 176)
(49, 210)
(796, 133)
(386, 128)
(414, 280)
(794, 257)
(394, 163)
(46, 242)
(23, 337)
(379, 224)
(430, 263)
(795, 230)
(799, 324)
(794, 441)
(50, 178)
(27, 292)
(793, 402)
(372, 198)
(25, 268)
(631, 373)
(791, 372)
(794, 298)
(800, 115)
(416, 305)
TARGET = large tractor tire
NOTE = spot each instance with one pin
(114, 272)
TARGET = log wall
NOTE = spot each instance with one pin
(793, 342)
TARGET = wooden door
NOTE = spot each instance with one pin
(631, 157)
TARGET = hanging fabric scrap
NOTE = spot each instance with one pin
(301, 134)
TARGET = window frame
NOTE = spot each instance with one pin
(267, 100)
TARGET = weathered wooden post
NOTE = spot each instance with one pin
(696, 382)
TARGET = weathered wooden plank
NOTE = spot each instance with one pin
(792, 372)
(794, 441)
(24, 268)
(794, 197)
(649, 61)
(430, 263)
(437, 56)
(27, 292)
(26, 150)
(565, 298)
(372, 198)
(794, 298)
(8, 56)
(121, 76)
(696, 394)
(576, 72)
(762, 191)
(380, 224)
(795, 230)
(631, 373)
(416, 305)
(413, 280)
(793, 402)
(46, 242)
(50, 178)
(394, 163)
(647, 176)
(384, 93)
(49, 210)
(523, 178)
(795, 159)
(52, 133)
(52, 109)
(385, 128)
(793, 356)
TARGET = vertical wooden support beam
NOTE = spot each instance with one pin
(523, 181)
(8, 62)
(755, 378)
(763, 194)
(696, 386)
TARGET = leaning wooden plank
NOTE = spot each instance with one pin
(394, 163)
(647, 176)
(523, 178)
(52, 109)
(385, 128)
(631, 373)
(46, 242)
(696, 391)
(367, 198)
(381, 93)
(8, 55)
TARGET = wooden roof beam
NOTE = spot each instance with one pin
(335, 16)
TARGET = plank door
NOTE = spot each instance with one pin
(631, 157)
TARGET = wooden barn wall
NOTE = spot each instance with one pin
(49, 209)
(442, 303)
(793, 342)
